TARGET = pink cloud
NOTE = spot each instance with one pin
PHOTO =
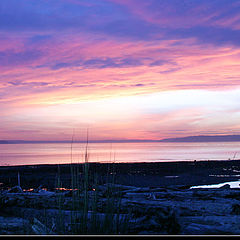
(107, 68)
(45, 68)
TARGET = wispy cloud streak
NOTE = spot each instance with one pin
(60, 52)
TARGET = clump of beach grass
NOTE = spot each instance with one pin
(86, 218)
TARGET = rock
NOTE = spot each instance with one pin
(233, 195)
(184, 187)
(236, 209)
(68, 193)
(146, 210)
(40, 229)
(9, 202)
(16, 189)
(185, 211)
(151, 196)
(215, 224)
(45, 192)
(120, 187)
(3, 192)
(226, 186)
(156, 222)
(203, 194)
(202, 229)
(135, 195)
(13, 225)
(37, 189)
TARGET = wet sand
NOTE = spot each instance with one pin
(159, 174)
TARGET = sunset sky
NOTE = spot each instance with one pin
(124, 69)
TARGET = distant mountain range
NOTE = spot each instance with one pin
(216, 138)
(201, 138)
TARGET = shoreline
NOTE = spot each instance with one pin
(145, 174)
(116, 162)
(145, 198)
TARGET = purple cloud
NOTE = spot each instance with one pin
(17, 58)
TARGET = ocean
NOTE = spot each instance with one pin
(60, 153)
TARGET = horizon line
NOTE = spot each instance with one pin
(196, 138)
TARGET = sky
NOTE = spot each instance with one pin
(119, 69)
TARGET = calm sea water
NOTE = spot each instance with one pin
(58, 153)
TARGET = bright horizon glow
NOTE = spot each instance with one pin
(131, 69)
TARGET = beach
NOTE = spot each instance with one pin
(121, 199)
(159, 174)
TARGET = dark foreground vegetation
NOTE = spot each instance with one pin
(123, 198)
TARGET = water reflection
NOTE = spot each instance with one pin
(59, 153)
(233, 184)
